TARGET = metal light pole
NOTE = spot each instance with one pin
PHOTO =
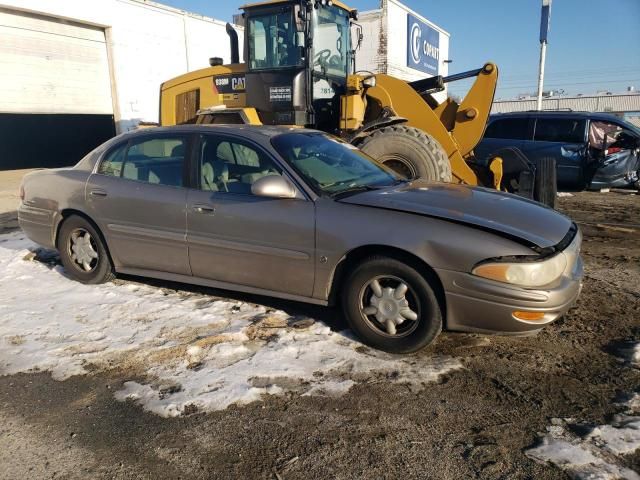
(544, 32)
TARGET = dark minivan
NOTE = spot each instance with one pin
(591, 150)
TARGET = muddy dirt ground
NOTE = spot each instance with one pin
(474, 423)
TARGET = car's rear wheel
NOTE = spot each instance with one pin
(391, 306)
(82, 251)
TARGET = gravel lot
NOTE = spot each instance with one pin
(557, 405)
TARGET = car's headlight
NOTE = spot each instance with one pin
(525, 274)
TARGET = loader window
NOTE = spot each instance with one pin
(331, 41)
(272, 41)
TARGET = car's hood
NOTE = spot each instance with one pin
(501, 213)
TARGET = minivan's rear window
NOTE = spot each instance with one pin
(564, 130)
(511, 128)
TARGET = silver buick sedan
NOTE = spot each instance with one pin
(300, 215)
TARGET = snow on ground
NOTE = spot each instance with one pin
(188, 352)
(595, 455)
(629, 352)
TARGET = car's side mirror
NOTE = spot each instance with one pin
(273, 186)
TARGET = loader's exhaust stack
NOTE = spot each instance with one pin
(233, 40)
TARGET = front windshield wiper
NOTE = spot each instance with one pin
(347, 192)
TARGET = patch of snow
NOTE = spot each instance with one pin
(629, 352)
(621, 437)
(578, 460)
(564, 194)
(635, 355)
(633, 404)
(187, 351)
(595, 455)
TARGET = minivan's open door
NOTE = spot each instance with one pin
(614, 156)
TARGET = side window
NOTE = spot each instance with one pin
(508, 128)
(238, 154)
(603, 134)
(563, 130)
(112, 164)
(225, 152)
(156, 160)
(232, 166)
(246, 155)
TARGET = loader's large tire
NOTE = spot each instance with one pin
(546, 182)
(409, 151)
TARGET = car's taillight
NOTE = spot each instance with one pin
(21, 193)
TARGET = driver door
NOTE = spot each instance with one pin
(236, 237)
(613, 155)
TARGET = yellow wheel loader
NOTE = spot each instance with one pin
(300, 70)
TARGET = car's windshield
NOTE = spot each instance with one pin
(330, 165)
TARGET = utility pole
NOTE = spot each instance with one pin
(544, 32)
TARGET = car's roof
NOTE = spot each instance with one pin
(559, 114)
(256, 133)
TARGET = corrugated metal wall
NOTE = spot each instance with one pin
(599, 103)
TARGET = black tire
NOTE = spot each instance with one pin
(409, 151)
(420, 297)
(546, 182)
(101, 267)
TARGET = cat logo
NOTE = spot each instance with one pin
(226, 84)
(237, 84)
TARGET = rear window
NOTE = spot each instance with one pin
(510, 128)
(564, 130)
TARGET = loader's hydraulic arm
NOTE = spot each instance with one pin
(436, 84)
(458, 128)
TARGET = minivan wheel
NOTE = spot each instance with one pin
(391, 306)
(546, 182)
(82, 251)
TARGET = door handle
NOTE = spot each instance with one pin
(204, 209)
(97, 193)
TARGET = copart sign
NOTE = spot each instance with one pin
(423, 46)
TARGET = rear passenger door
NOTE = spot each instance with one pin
(501, 133)
(565, 140)
(240, 238)
(137, 197)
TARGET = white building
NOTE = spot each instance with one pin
(76, 72)
(400, 42)
(79, 71)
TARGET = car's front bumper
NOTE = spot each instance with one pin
(475, 304)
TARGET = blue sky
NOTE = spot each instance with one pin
(593, 44)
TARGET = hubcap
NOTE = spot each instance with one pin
(83, 250)
(387, 303)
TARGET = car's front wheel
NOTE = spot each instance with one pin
(82, 251)
(391, 306)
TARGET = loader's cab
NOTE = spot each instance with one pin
(298, 55)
